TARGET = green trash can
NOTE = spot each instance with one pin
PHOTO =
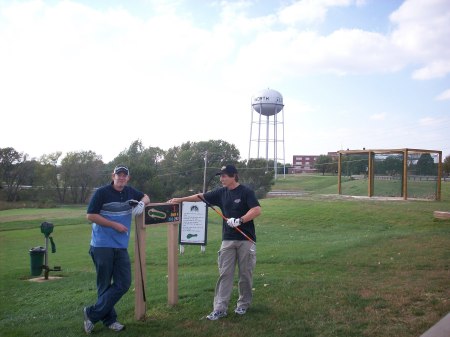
(37, 255)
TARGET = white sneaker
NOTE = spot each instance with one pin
(88, 325)
(116, 326)
(215, 315)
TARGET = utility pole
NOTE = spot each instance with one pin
(202, 248)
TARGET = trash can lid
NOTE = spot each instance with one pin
(37, 249)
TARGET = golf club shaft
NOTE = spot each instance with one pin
(144, 297)
(225, 218)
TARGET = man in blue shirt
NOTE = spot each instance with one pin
(110, 211)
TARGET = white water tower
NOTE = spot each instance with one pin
(265, 108)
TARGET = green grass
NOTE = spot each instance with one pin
(326, 267)
(318, 184)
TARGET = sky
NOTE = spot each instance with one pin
(80, 75)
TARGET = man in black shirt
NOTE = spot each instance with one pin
(240, 206)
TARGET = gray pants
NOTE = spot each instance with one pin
(244, 253)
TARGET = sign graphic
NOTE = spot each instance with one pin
(163, 213)
(193, 227)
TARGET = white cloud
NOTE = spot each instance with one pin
(309, 11)
(421, 28)
(428, 121)
(378, 117)
(444, 96)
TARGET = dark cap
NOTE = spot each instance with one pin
(120, 168)
(228, 170)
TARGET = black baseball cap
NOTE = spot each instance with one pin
(228, 169)
(121, 168)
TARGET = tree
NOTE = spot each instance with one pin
(390, 165)
(355, 164)
(144, 164)
(14, 169)
(50, 176)
(254, 174)
(425, 165)
(184, 165)
(80, 172)
(324, 164)
(446, 166)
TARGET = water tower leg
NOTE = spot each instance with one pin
(267, 143)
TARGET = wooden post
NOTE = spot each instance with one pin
(139, 268)
(172, 262)
(405, 174)
(156, 214)
(441, 215)
(339, 173)
(370, 174)
(439, 177)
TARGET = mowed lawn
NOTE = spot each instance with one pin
(327, 266)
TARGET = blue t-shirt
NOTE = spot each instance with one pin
(112, 205)
(234, 204)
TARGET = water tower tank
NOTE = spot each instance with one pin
(267, 102)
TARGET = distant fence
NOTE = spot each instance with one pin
(410, 177)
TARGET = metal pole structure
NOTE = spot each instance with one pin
(284, 153)
(251, 130)
(202, 247)
(275, 145)
(267, 143)
(46, 269)
(204, 172)
(46, 252)
(259, 128)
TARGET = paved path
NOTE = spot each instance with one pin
(440, 329)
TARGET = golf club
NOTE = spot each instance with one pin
(225, 218)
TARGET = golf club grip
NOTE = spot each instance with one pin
(133, 203)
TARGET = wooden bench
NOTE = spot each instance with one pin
(441, 215)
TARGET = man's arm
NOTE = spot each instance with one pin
(251, 214)
(99, 220)
(194, 197)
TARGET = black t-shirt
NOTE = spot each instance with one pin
(234, 204)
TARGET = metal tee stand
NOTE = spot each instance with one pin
(156, 214)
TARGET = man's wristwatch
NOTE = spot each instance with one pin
(241, 220)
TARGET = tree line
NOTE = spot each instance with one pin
(181, 170)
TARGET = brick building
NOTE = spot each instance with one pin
(306, 163)
(303, 164)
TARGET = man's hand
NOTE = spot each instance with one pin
(232, 222)
(138, 208)
(120, 228)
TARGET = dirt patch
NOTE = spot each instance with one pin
(42, 279)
